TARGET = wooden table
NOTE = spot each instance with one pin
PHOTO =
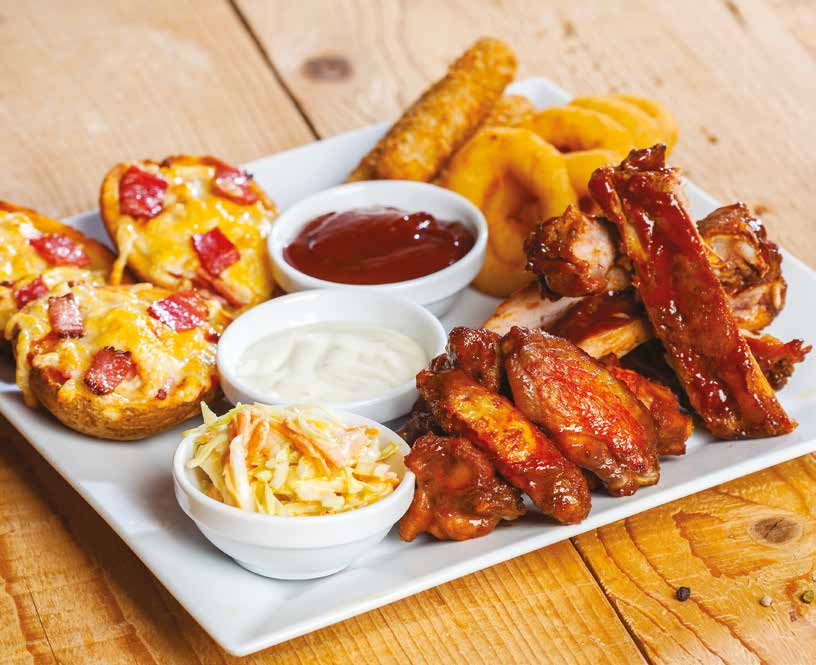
(86, 84)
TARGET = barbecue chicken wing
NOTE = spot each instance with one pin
(476, 352)
(520, 451)
(746, 263)
(775, 357)
(592, 418)
(529, 309)
(605, 323)
(458, 494)
(673, 426)
(616, 324)
(575, 255)
(685, 303)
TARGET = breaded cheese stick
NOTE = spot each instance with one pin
(509, 111)
(443, 118)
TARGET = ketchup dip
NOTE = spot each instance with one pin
(377, 245)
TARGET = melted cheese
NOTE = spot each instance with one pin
(182, 363)
(52, 278)
(18, 258)
(191, 207)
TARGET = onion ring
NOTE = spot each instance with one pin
(500, 170)
(643, 128)
(570, 129)
(659, 113)
(582, 163)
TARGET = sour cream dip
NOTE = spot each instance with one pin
(330, 362)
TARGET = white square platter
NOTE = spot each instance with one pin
(130, 484)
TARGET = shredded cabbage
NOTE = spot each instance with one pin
(290, 460)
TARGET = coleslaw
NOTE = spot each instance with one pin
(290, 461)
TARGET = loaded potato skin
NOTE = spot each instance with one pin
(191, 221)
(118, 362)
(40, 252)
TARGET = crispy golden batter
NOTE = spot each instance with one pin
(659, 113)
(443, 118)
(520, 451)
(509, 111)
(640, 125)
(507, 173)
(593, 418)
(458, 494)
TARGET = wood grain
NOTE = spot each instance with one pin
(731, 545)
(86, 84)
(74, 592)
(741, 86)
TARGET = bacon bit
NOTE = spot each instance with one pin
(60, 250)
(212, 337)
(161, 393)
(215, 251)
(108, 369)
(234, 184)
(181, 311)
(64, 316)
(31, 291)
(141, 194)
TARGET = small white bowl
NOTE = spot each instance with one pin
(295, 548)
(344, 305)
(437, 291)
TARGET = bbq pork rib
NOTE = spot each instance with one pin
(592, 417)
(683, 298)
(523, 455)
(458, 495)
(746, 263)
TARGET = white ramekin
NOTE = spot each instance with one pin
(436, 291)
(295, 548)
(345, 305)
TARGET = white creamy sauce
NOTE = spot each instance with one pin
(331, 362)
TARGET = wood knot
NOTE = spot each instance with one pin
(327, 68)
(775, 530)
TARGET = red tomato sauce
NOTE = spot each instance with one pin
(377, 245)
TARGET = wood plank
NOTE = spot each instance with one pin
(77, 592)
(704, 64)
(413, 44)
(740, 85)
(86, 84)
(731, 545)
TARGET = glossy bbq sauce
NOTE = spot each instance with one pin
(377, 245)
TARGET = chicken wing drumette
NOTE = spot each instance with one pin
(519, 450)
(591, 416)
(458, 493)
(474, 351)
